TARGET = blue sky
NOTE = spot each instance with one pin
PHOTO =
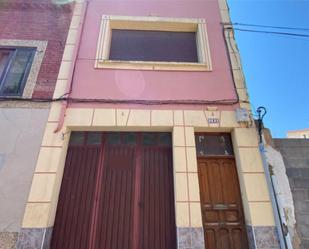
(276, 67)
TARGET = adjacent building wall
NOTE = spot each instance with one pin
(21, 131)
(295, 153)
(283, 191)
(39, 20)
(44, 25)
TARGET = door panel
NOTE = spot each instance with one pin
(221, 205)
(115, 214)
(157, 222)
(73, 218)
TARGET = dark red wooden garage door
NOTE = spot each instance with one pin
(117, 193)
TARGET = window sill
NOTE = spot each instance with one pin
(151, 65)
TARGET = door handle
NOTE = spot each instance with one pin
(220, 207)
(221, 224)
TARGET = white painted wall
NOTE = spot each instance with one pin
(274, 158)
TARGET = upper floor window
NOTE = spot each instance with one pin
(153, 43)
(139, 45)
(15, 64)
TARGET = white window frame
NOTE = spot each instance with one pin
(108, 23)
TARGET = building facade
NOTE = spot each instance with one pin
(151, 144)
(32, 40)
(298, 133)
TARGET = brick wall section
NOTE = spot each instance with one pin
(295, 153)
(38, 20)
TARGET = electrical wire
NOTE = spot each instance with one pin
(267, 26)
(244, 30)
(230, 62)
(229, 26)
(272, 32)
(156, 102)
(118, 101)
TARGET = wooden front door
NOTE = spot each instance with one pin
(222, 212)
(116, 193)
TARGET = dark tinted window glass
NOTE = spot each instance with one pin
(129, 138)
(165, 139)
(213, 145)
(136, 45)
(149, 139)
(113, 138)
(94, 138)
(13, 78)
(77, 138)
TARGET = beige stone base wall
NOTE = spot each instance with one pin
(42, 202)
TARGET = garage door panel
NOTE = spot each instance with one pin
(72, 223)
(157, 200)
(116, 201)
(117, 193)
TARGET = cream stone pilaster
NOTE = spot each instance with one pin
(254, 189)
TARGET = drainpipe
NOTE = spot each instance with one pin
(68, 89)
(283, 244)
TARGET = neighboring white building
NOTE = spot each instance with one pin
(298, 133)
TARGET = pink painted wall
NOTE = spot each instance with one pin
(92, 83)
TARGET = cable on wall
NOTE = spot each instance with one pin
(270, 32)
(266, 26)
(117, 101)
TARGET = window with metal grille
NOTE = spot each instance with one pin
(140, 45)
(213, 144)
(15, 64)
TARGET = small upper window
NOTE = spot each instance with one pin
(15, 64)
(153, 43)
(138, 45)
